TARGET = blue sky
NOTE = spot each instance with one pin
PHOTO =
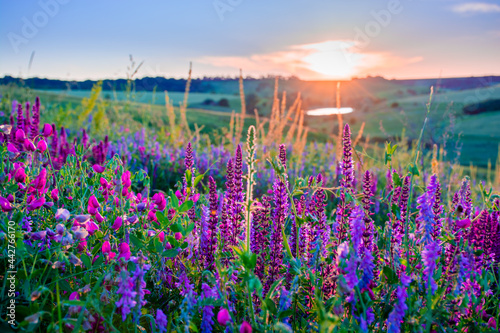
(314, 39)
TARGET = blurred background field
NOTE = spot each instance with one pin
(387, 109)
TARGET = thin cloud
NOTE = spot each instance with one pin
(476, 7)
(331, 59)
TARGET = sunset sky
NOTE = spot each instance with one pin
(312, 39)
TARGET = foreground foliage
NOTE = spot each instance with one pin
(239, 243)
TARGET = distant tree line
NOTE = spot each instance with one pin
(202, 85)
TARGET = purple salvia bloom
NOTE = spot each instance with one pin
(226, 227)
(304, 229)
(293, 232)
(238, 197)
(189, 301)
(126, 289)
(204, 234)
(85, 140)
(282, 155)
(189, 160)
(492, 239)
(212, 224)
(138, 281)
(366, 200)
(430, 256)
(425, 217)
(366, 266)
(398, 313)
(462, 201)
(399, 224)
(322, 229)
(463, 272)
(20, 117)
(351, 276)
(478, 234)
(207, 321)
(276, 244)
(437, 208)
(347, 163)
(35, 123)
(343, 212)
(260, 235)
(357, 227)
(346, 183)
(161, 321)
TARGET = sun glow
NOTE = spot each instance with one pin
(332, 59)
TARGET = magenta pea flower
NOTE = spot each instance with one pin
(41, 146)
(124, 251)
(28, 145)
(178, 236)
(104, 182)
(20, 135)
(99, 217)
(92, 227)
(118, 223)
(12, 149)
(40, 180)
(161, 236)
(54, 194)
(223, 317)
(20, 175)
(492, 323)
(47, 130)
(93, 201)
(106, 247)
(36, 204)
(5, 204)
(98, 168)
(245, 327)
(10, 198)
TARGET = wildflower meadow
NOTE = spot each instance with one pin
(261, 234)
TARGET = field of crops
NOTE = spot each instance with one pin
(260, 232)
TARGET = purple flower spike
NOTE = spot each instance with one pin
(347, 163)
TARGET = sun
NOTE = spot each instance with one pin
(332, 59)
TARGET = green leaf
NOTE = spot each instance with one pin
(285, 243)
(176, 227)
(189, 228)
(270, 306)
(273, 288)
(170, 253)
(198, 179)
(396, 179)
(189, 177)
(286, 313)
(98, 262)
(86, 260)
(187, 205)
(175, 200)
(136, 241)
(161, 218)
(158, 245)
(392, 277)
(396, 211)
